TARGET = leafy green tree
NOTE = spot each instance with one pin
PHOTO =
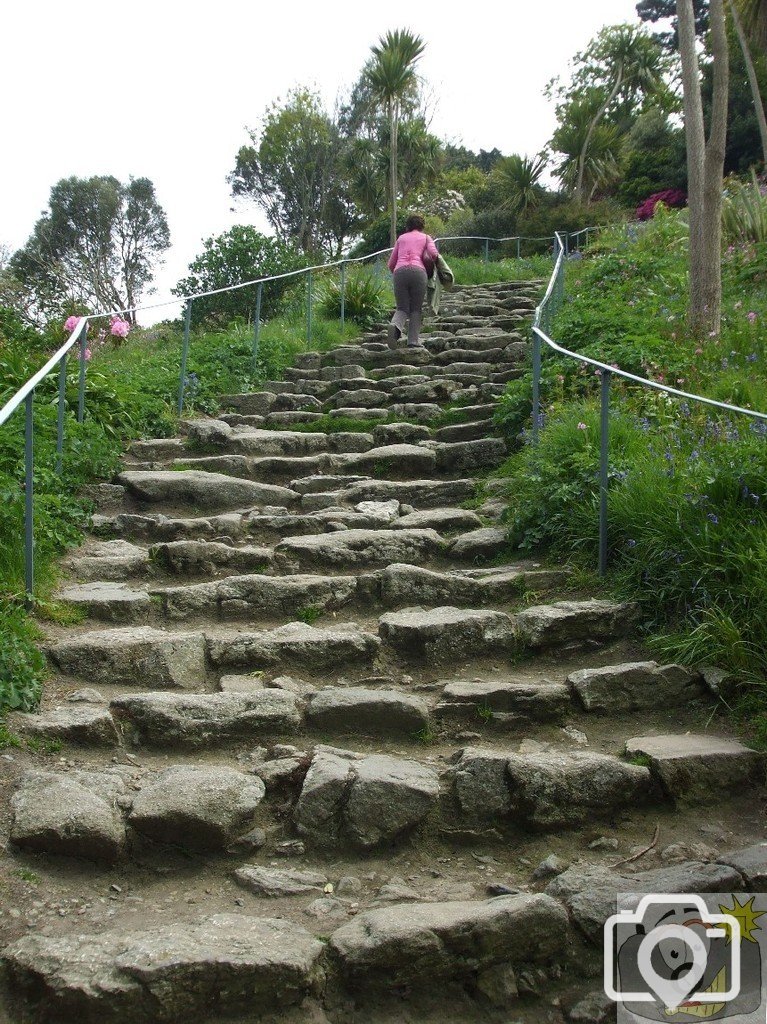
(239, 254)
(295, 170)
(601, 167)
(654, 158)
(392, 79)
(653, 11)
(97, 245)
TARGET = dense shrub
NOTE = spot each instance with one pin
(673, 198)
(240, 254)
(366, 297)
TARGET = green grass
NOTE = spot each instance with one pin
(7, 738)
(687, 503)
(309, 615)
(469, 270)
(26, 875)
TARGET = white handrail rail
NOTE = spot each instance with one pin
(31, 384)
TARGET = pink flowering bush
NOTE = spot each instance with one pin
(71, 323)
(119, 328)
(671, 197)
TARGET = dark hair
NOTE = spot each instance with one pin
(415, 222)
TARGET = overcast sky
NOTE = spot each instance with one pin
(165, 90)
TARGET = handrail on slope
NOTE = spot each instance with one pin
(544, 314)
(25, 394)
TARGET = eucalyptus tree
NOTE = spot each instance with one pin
(96, 245)
(752, 22)
(392, 78)
(705, 163)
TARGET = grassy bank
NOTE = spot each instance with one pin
(688, 486)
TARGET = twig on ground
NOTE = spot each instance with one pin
(636, 856)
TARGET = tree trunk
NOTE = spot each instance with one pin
(393, 131)
(705, 165)
(752, 79)
(590, 131)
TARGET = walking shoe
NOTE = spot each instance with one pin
(394, 334)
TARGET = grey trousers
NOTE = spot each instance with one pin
(409, 293)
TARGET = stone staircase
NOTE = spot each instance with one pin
(329, 753)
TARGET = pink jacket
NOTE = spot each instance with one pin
(410, 250)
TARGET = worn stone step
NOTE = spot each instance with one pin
(635, 686)
(546, 791)
(422, 494)
(503, 703)
(367, 712)
(237, 597)
(198, 557)
(134, 656)
(394, 461)
(264, 469)
(447, 634)
(352, 549)
(460, 456)
(108, 560)
(205, 720)
(575, 622)
(363, 801)
(471, 942)
(699, 768)
(203, 490)
(471, 431)
(205, 969)
(296, 643)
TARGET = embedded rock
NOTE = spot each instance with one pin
(138, 656)
(367, 711)
(199, 808)
(70, 813)
(447, 634)
(636, 686)
(575, 621)
(203, 490)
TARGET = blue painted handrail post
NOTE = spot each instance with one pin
(487, 250)
(29, 495)
(60, 413)
(604, 445)
(257, 322)
(184, 354)
(309, 309)
(343, 294)
(81, 384)
(536, 386)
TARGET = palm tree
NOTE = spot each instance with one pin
(393, 79)
(754, 15)
(603, 152)
(517, 177)
(635, 65)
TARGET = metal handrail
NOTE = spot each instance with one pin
(543, 313)
(25, 394)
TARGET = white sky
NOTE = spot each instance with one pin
(165, 90)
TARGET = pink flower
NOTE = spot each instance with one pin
(699, 351)
(582, 426)
(751, 317)
(71, 323)
(87, 353)
(119, 327)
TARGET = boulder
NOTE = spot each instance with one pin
(70, 813)
(504, 702)
(479, 545)
(197, 807)
(198, 557)
(110, 602)
(397, 461)
(457, 456)
(108, 560)
(751, 863)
